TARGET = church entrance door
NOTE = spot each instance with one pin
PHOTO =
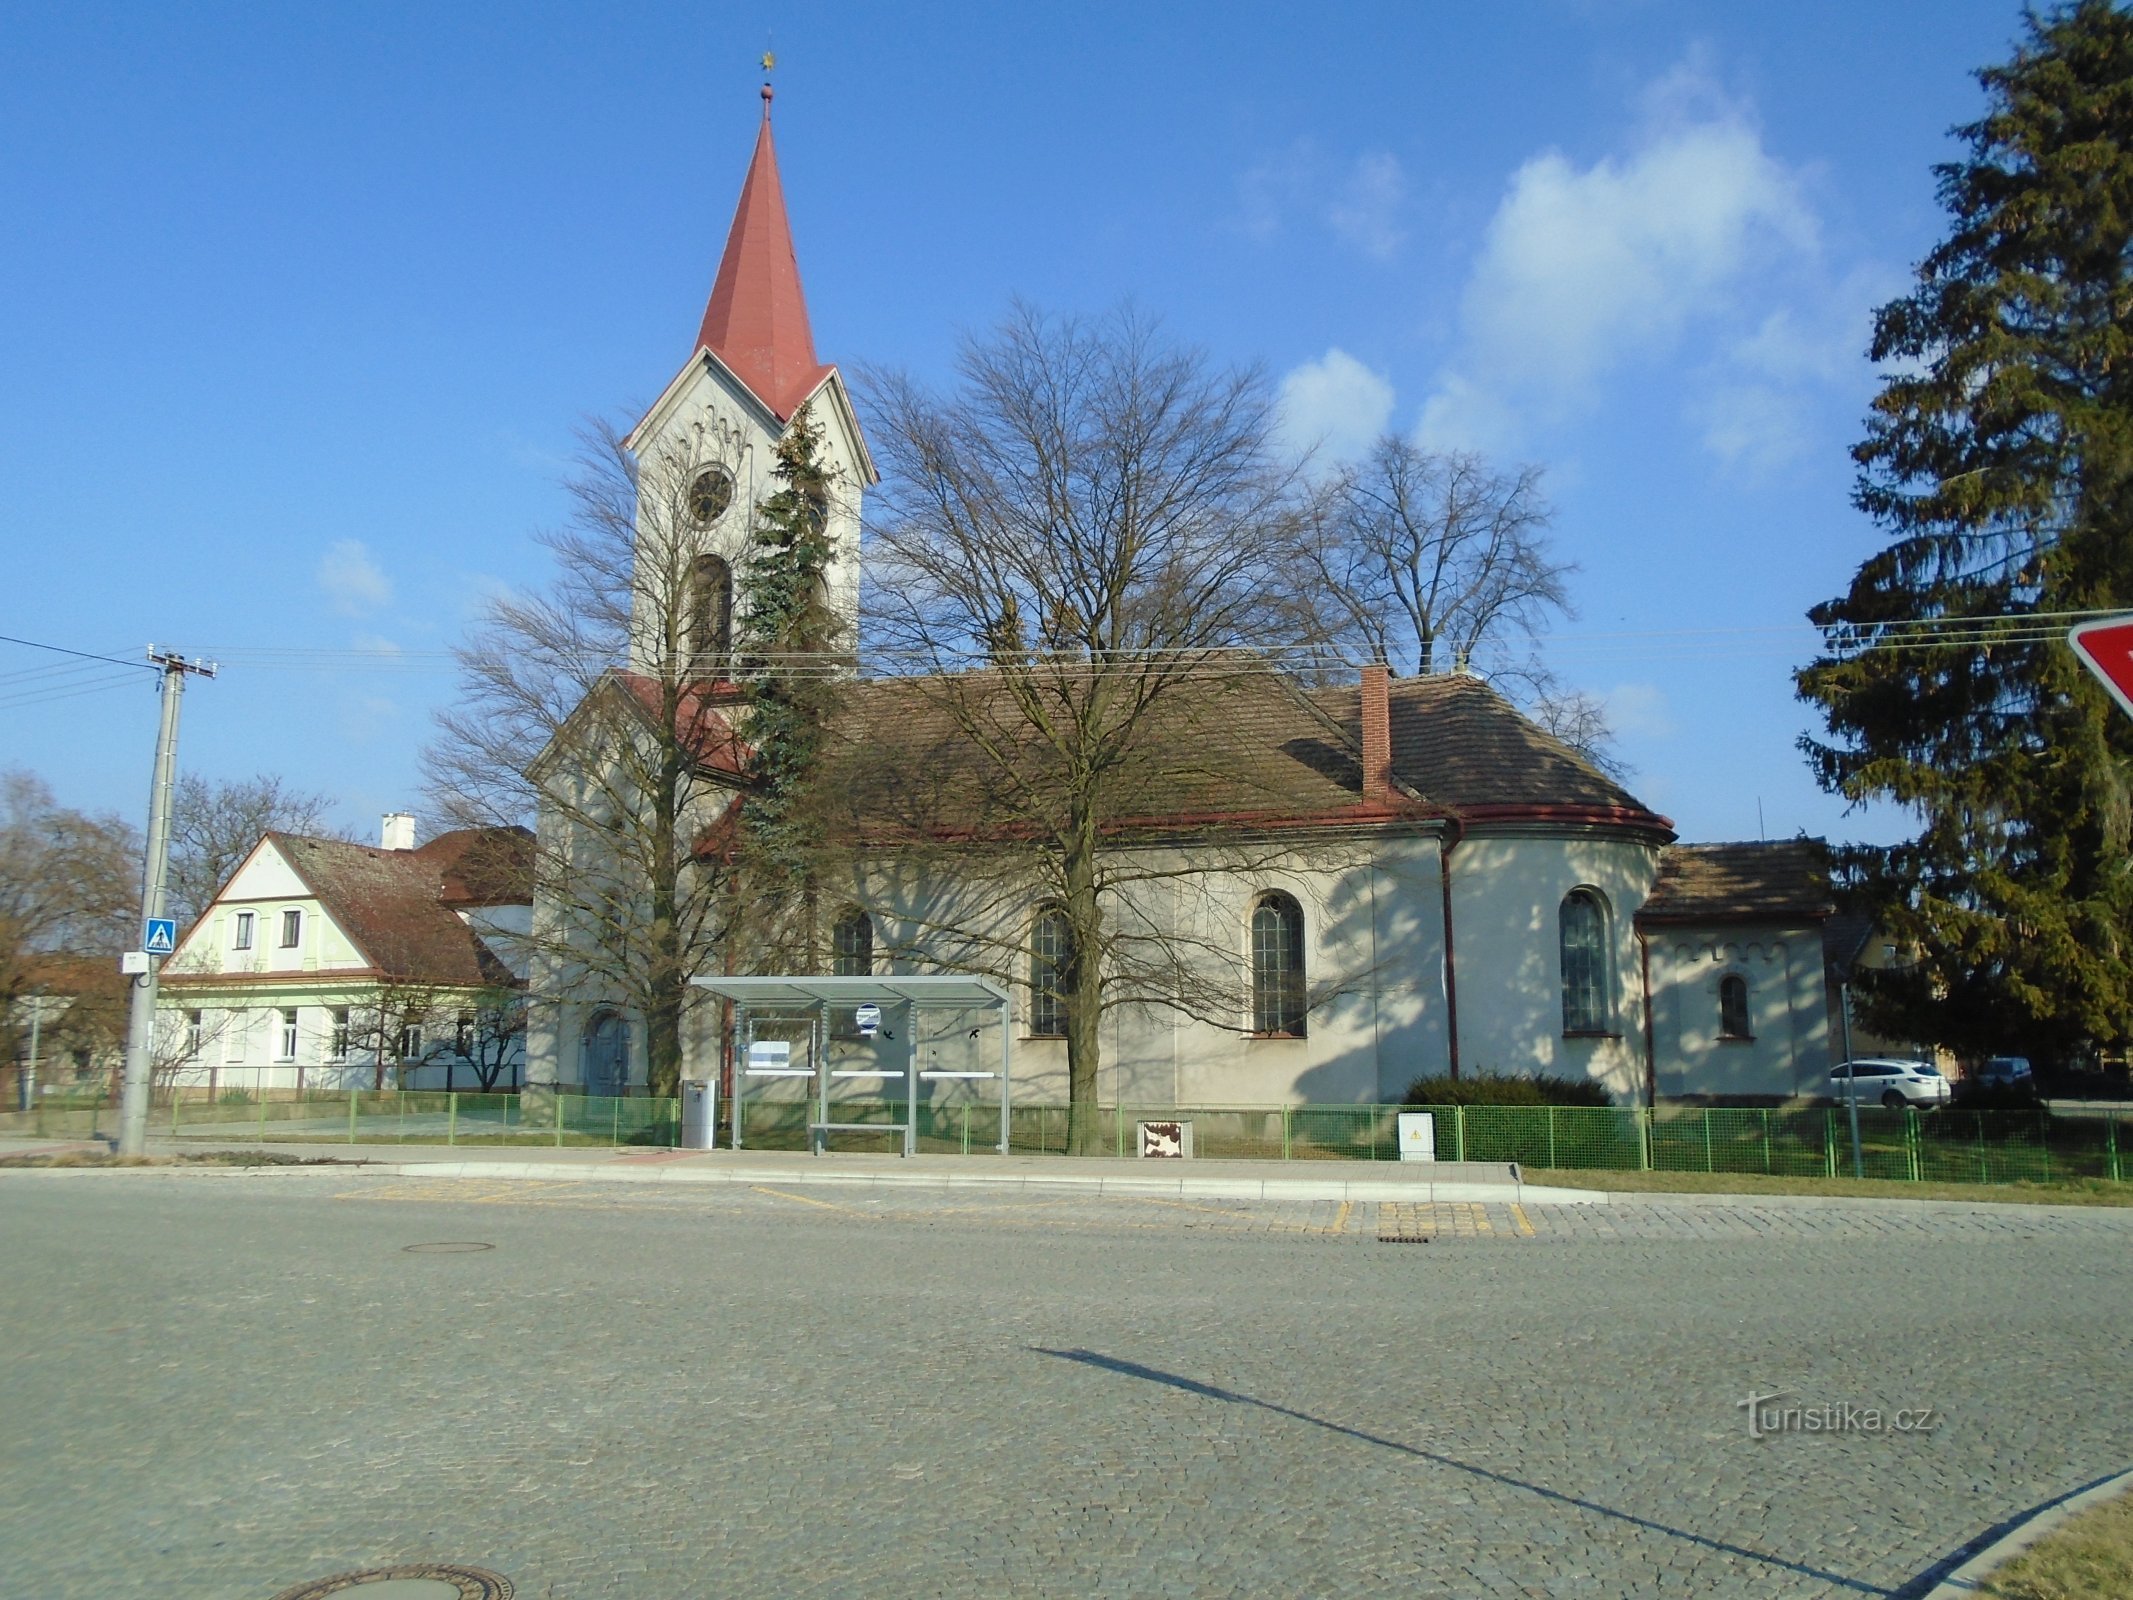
(607, 1055)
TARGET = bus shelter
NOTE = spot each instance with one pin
(893, 1006)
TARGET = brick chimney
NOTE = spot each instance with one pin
(396, 831)
(1377, 734)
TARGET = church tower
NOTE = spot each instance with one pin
(707, 449)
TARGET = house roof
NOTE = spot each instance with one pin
(396, 906)
(1240, 745)
(756, 321)
(1462, 745)
(1782, 881)
(1844, 940)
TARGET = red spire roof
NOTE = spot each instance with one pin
(757, 319)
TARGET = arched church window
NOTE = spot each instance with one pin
(1733, 1007)
(1051, 972)
(710, 615)
(1583, 933)
(1278, 966)
(852, 946)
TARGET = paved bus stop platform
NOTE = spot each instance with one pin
(1194, 1178)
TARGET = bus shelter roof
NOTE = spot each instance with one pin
(945, 990)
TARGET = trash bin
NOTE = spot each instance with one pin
(699, 1115)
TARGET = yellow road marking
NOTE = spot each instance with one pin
(1519, 1212)
(1340, 1217)
(807, 1200)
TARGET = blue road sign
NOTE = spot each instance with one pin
(161, 936)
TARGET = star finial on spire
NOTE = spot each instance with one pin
(769, 61)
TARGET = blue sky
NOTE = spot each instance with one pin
(299, 307)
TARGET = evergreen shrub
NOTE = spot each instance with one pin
(1488, 1089)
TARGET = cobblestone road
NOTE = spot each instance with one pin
(223, 1385)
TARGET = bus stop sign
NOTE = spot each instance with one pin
(2105, 647)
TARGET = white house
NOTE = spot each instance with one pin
(323, 964)
(1404, 877)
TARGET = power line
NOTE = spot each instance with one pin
(60, 649)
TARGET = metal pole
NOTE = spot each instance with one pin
(1005, 1091)
(141, 1018)
(30, 1082)
(1851, 1076)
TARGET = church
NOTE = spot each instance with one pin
(1403, 877)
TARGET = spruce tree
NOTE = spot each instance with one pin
(790, 642)
(1998, 458)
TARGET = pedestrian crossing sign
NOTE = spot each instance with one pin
(161, 937)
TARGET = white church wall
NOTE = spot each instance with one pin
(1374, 964)
(1786, 1051)
(1507, 893)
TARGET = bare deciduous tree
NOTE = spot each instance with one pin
(603, 707)
(1578, 719)
(1080, 551)
(70, 885)
(215, 824)
(1437, 561)
(1422, 558)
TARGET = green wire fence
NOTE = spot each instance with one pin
(1941, 1146)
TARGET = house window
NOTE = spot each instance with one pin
(287, 1042)
(710, 620)
(852, 946)
(463, 1036)
(1051, 972)
(1583, 929)
(1733, 1007)
(1278, 966)
(410, 1040)
(242, 939)
(239, 1024)
(195, 1031)
(292, 928)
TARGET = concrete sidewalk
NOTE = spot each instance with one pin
(1411, 1181)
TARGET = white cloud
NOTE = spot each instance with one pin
(1366, 208)
(1359, 202)
(354, 584)
(1761, 391)
(1587, 269)
(1334, 406)
(1639, 711)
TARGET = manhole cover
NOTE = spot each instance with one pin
(424, 1580)
(446, 1247)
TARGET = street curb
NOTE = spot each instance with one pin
(1963, 1582)
(1141, 1186)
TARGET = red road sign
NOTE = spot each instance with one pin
(2105, 647)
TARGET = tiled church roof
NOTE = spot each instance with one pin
(1784, 880)
(1460, 743)
(1240, 745)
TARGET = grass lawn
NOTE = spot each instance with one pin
(2074, 1192)
(2089, 1557)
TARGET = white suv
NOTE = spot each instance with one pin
(1894, 1084)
